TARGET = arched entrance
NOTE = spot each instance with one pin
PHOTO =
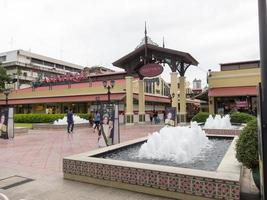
(142, 57)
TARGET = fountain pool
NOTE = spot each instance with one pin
(179, 181)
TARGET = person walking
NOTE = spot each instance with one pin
(70, 121)
(96, 120)
(151, 117)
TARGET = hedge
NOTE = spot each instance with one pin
(201, 117)
(247, 145)
(44, 118)
(239, 117)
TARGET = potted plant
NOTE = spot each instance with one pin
(247, 149)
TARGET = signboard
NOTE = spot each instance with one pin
(241, 104)
(109, 125)
(6, 123)
(151, 70)
(61, 79)
(170, 116)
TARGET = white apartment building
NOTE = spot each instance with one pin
(26, 66)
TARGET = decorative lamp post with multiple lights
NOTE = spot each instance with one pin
(6, 92)
(109, 85)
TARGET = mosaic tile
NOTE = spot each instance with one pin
(199, 186)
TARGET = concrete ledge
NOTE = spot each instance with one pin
(21, 130)
(52, 126)
(135, 188)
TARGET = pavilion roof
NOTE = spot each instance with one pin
(165, 52)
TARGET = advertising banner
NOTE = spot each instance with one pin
(4, 123)
(109, 125)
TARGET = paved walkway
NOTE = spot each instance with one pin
(38, 155)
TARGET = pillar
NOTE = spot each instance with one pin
(141, 101)
(182, 113)
(211, 105)
(129, 100)
(174, 89)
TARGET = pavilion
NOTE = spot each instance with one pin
(150, 52)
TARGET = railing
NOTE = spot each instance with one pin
(32, 66)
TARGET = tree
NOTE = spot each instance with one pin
(4, 77)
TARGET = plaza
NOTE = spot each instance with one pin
(38, 155)
(96, 105)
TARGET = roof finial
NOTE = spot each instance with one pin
(145, 34)
(163, 43)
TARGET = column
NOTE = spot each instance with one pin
(211, 105)
(129, 100)
(141, 101)
(174, 89)
(182, 113)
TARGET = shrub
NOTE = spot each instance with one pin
(201, 117)
(37, 118)
(239, 117)
(44, 118)
(84, 115)
(247, 145)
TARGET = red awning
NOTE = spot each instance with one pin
(76, 98)
(233, 91)
(154, 98)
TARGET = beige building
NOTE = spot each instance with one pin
(234, 87)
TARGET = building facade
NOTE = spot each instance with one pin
(234, 88)
(25, 66)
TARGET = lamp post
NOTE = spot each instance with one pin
(97, 100)
(6, 92)
(171, 96)
(109, 85)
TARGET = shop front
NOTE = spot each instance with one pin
(227, 100)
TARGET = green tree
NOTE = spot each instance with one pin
(4, 77)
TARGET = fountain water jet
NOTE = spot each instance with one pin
(76, 119)
(218, 122)
(178, 144)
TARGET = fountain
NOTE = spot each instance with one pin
(143, 165)
(76, 119)
(179, 144)
(221, 126)
(218, 122)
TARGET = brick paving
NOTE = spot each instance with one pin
(39, 154)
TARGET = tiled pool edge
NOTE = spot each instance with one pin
(152, 179)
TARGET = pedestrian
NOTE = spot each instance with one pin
(155, 115)
(151, 117)
(70, 121)
(96, 120)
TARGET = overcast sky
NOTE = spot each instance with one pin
(98, 32)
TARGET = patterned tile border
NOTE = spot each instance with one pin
(226, 132)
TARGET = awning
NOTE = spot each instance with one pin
(76, 98)
(154, 98)
(233, 91)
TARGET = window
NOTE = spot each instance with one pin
(2, 58)
(37, 61)
(48, 64)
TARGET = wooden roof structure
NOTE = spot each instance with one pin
(149, 53)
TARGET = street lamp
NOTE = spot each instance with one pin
(6, 92)
(109, 85)
(171, 96)
(97, 100)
